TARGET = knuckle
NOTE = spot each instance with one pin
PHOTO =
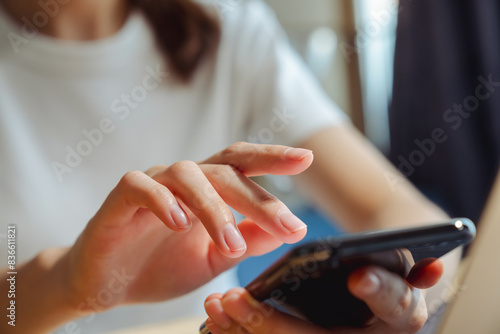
(206, 200)
(160, 191)
(239, 145)
(417, 321)
(266, 199)
(210, 205)
(183, 167)
(233, 149)
(418, 317)
(404, 302)
(268, 149)
(222, 174)
(236, 164)
(396, 312)
(130, 178)
(210, 193)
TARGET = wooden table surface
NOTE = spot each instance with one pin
(182, 326)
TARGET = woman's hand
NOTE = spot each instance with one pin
(149, 241)
(397, 304)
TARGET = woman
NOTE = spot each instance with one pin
(86, 98)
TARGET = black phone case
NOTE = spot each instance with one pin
(310, 281)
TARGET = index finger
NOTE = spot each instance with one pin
(261, 159)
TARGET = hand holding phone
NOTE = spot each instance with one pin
(310, 281)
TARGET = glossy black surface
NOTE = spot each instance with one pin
(310, 281)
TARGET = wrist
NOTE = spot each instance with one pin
(48, 273)
(41, 299)
(52, 265)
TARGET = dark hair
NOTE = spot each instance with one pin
(185, 32)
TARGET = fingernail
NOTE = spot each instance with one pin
(297, 153)
(369, 284)
(233, 238)
(290, 221)
(179, 217)
(217, 313)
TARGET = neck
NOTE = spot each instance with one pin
(75, 20)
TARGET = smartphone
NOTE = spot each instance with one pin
(310, 281)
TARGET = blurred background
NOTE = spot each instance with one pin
(407, 70)
(349, 46)
(419, 79)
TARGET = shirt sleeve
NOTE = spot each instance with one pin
(285, 103)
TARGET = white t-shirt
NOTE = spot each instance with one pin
(76, 116)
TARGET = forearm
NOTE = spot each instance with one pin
(40, 301)
(353, 183)
(406, 207)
